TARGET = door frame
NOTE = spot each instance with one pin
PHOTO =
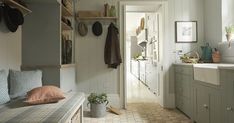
(123, 68)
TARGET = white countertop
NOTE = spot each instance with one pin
(185, 64)
(210, 65)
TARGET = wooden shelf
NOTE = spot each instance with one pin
(97, 18)
(65, 26)
(66, 12)
(48, 66)
(14, 4)
(67, 65)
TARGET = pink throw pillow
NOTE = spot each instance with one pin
(44, 94)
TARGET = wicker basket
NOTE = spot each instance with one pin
(193, 57)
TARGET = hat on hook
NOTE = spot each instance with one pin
(97, 28)
(82, 29)
(12, 17)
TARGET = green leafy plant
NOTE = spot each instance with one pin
(229, 29)
(136, 56)
(95, 98)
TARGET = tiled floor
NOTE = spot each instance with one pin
(137, 92)
(142, 108)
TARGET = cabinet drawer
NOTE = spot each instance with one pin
(183, 70)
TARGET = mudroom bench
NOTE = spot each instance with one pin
(68, 110)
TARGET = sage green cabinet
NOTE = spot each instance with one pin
(207, 103)
(227, 78)
(183, 80)
(203, 102)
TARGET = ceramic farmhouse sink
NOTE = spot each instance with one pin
(208, 73)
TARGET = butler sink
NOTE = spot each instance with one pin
(208, 73)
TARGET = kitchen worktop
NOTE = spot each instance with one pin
(184, 64)
(227, 66)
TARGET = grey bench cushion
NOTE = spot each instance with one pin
(19, 112)
(4, 96)
(23, 81)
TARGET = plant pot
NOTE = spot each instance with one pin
(98, 110)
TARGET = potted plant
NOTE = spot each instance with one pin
(98, 104)
(229, 31)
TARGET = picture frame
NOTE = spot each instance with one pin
(186, 32)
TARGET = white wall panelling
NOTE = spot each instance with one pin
(213, 21)
(227, 20)
(92, 73)
(217, 15)
(10, 48)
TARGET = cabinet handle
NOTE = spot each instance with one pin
(205, 106)
(229, 109)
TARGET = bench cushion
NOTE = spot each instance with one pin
(18, 111)
(4, 96)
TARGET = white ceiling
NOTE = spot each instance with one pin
(143, 8)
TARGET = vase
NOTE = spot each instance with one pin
(112, 11)
(229, 37)
(98, 110)
(106, 10)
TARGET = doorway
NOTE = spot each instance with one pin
(143, 23)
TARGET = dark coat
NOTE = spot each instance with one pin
(112, 54)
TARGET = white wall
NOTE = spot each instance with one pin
(179, 10)
(92, 74)
(227, 16)
(213, 21)
(133, 20)
(218, 15)
(10, 48)
(227, 20)
(187, 10)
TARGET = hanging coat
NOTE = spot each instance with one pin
(112, 54)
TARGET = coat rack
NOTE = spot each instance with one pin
(14, 4)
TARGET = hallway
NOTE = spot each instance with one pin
(142, 107)
(137, 92)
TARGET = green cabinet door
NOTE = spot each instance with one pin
(202, 105)
(208, 104)
(229, 103)
(230, 108)
(228, 95)
(215, 106)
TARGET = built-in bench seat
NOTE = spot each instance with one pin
(68, 110)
